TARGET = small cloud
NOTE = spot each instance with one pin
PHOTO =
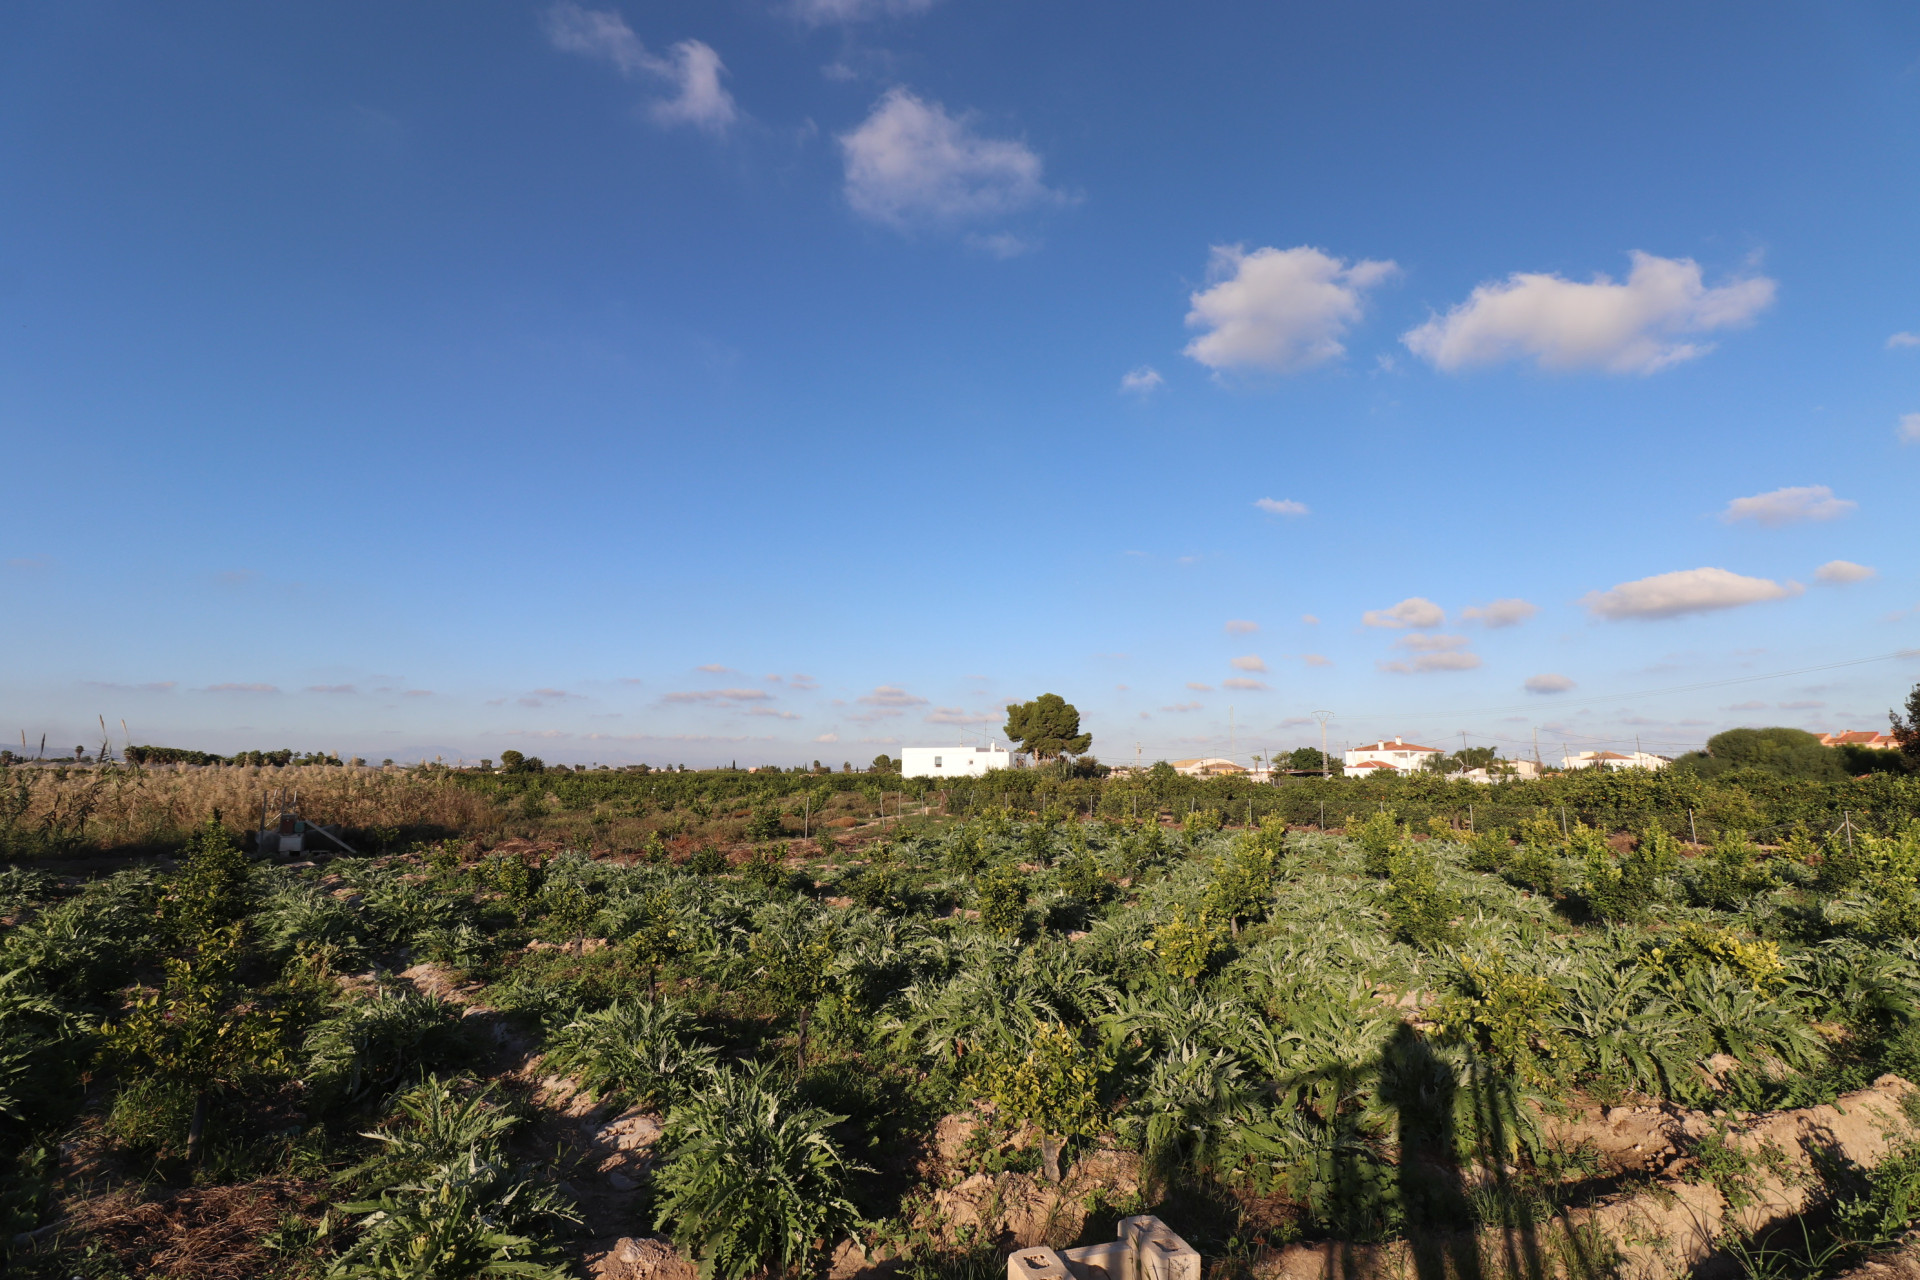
(235, 577)
(1670, 595)
(1562, 324)
(631, 680)
(1248, 662)
(241, 688)
(887, 695)
(771, 713)
(1240, 683)
(1453, 661)
(1903, 339)
(417, 693)
(331, 688)
(151, 686)
(1802, 706)
(1315, 660)
(1279, 310)
(1501, 613)
(1548, 682)
(1909, 428)
(1310, 619)
(1844, 571)
(1197, 687)
(1788, 506)
(1241, 627)
(1142, 381)
(911, 163)
(691, 68)
(1748, 706)
(1002, 244)
(1282, 507)
(1414, 611)
(1418, 643)
(29, 562)
(718, 669)
(717, 695)
(1182, 706)
(827, 737)
(824, 11)
(804, 683)
(957, 715)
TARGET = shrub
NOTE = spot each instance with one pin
(751, 1183)
(765, 823)
(1508, 1012)
(1188, 945)
(449, 1206)
(1001, 898)
(1053, 1086)
(210, 890)
(766, 867)
(636, 1051)
(707, 861)
(1728, 876)
(1378, 837)
(1488, 850)
(376, 1043)
(1420, 910)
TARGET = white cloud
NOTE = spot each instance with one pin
(1202, 688)
(699, 98)
(1788, 506)
(1282, 507)
(1843, 571)
(695, 695)
(1903, 339)
(1142, 380)
(1249, 662)
(1239, 682)
(1315, 660)
(1417, 643)
(1454, 661)
(1669, 595)
(887, 695)
(910, 162)
(1241, 627)
(827, 737)
(1548, 682)
(955, 715)
(1278, 309)
(772, 714)
(822, 11)
(1182, 706)
(1414, 611)
(1310, 619)
(1562, 324)
(691, 67)
(1501, 613)
(1910, 428)
(241, 688)
(1001, 245)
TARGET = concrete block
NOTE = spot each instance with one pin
(1158, 1253)
(1037, 1264)
(1108, 1260)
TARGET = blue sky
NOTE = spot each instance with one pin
(786, 379)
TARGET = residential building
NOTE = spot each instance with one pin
(1397, 754)
(1503, 771)
(952, 762)
(1860, 738)
(1614, 760)
(1209, 767)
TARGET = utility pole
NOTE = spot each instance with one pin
(1230, 747)
(1325, 770)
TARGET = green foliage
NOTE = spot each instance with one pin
(1729, 874)
(377, 1042)
(200, 1030)
(1786, 753)
(1001, 898)
(210, 891)
(751, 1182)
(766, 867)
(1243, 880)
(707, 861)
(765, 824)
(1052, 1086)
(640, 1051)
(1488, 850)
(1047, 727)
(1621, 890)
(1509, 1013)
(1378, 837)
(1187, 945)
(449, 1205)
(1421, 911)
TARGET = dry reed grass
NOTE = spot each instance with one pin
(46, 810)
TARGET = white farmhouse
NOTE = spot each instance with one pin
(952, 762)
(1614, 760)
(1396, 754)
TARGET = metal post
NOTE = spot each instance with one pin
(1692, 830)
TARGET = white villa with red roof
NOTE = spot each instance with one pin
(1860, 738)
(1396, 754)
